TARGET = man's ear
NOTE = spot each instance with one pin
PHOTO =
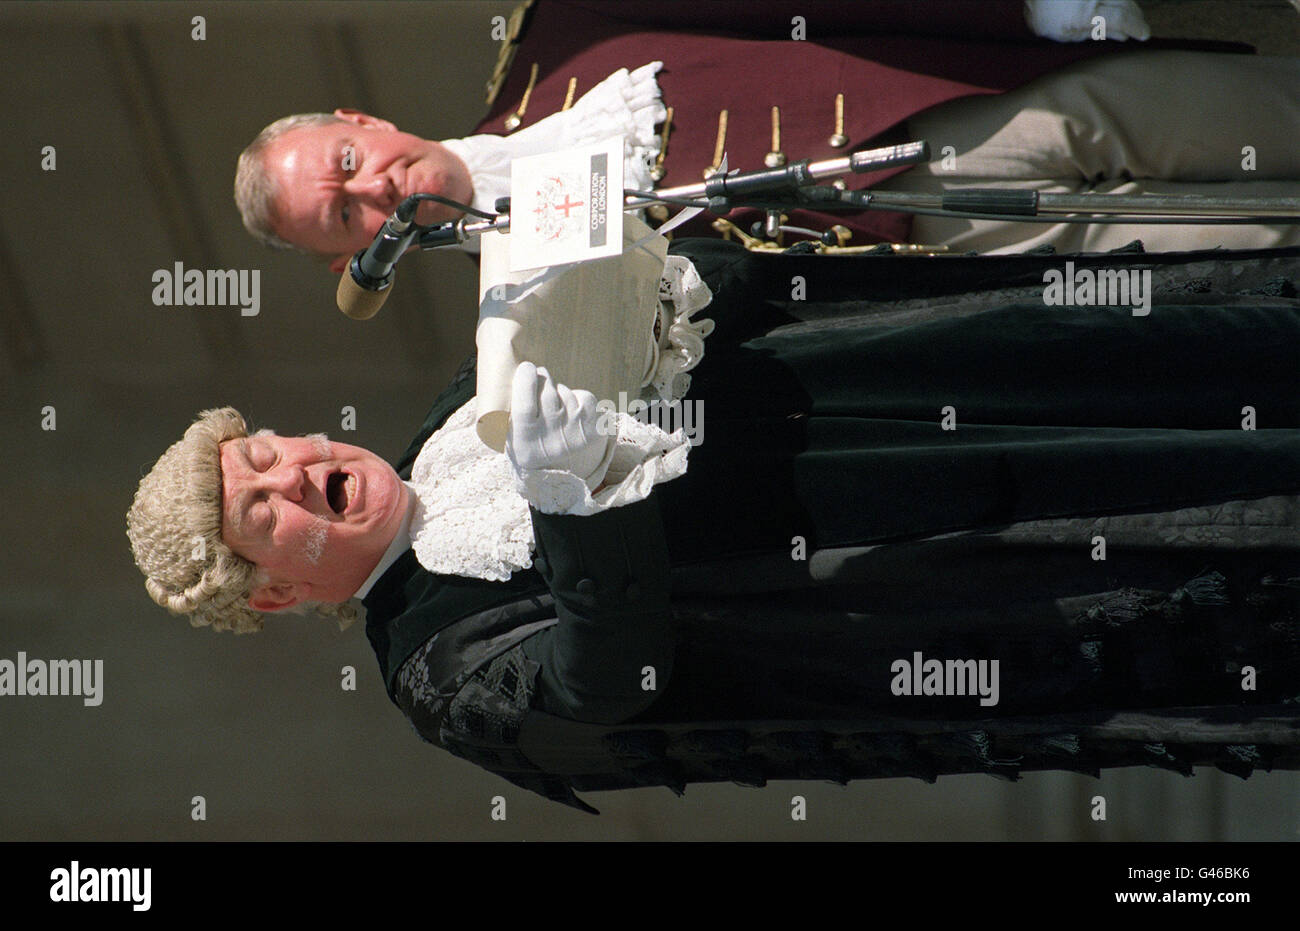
(274, 596)
(364, 119)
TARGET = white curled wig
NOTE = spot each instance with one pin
(174, 526)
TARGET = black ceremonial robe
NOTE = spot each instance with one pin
(907, 458)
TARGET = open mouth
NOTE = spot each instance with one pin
(340, 488)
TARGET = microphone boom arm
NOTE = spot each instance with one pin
(367, 282)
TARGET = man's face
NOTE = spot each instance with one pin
(315, 515)
(338, 182)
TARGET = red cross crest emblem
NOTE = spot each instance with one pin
(561, 209)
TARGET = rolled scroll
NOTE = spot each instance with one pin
(588, 323)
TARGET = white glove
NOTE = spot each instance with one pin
(1071, 20)
(554, 427)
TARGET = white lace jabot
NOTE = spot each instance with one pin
(471, 515)
(625, 103)
(468, 519)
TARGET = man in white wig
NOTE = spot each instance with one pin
(586, 612)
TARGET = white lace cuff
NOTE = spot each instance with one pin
(677, 348)
(625, 103)
(643, 457)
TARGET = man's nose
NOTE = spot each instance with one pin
(288, 480)
(378, 190)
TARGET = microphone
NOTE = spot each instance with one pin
(778, 181)
(367, 282)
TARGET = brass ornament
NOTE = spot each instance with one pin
(775, 158)
(516, 118)
(719, 148)
(658, 171)
(506, 54)
(755, 244)
(839, 140)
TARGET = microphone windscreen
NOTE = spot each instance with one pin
(356, 301)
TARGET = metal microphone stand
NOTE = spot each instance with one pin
(794, 186)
